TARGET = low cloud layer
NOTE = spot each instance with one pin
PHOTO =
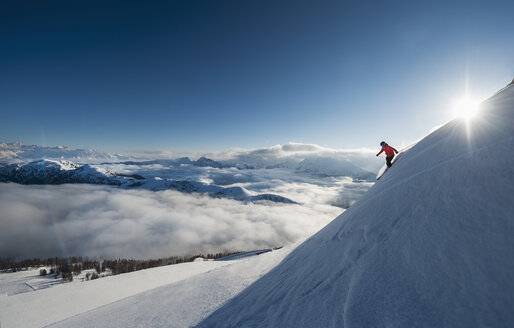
(102, 221)
(44, 221)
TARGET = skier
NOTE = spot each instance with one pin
(389, 152)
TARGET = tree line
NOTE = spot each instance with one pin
(67, 267)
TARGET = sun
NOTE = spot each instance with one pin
(466, 108)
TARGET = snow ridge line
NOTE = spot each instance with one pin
(442, 163)
(503, 89)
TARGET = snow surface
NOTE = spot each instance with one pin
(430, 245)
(16, 282)
(178, 295)
(43, 307)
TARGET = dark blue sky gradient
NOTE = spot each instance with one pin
(211, 75)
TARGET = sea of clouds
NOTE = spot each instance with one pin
(103, 221)
(110, 222)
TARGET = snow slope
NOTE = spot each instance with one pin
(430, 245)
(178, 295)
(182, 304)
(16, 282)
(43, 307)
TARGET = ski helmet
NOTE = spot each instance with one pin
(383, 143)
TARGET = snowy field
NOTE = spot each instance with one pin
(13, 283)
(28, 280)
(178, 295)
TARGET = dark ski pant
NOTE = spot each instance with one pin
(388, 160)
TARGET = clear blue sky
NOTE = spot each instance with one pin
(210, 75)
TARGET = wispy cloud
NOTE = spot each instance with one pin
(297, 152)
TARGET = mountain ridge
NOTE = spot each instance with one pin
(61, 172)
(300, 157)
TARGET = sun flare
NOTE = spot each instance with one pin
(466, 108)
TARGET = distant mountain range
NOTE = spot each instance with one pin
(224, 178)
(17, 152)
(321, 166)
(60, 172)
(317, 163)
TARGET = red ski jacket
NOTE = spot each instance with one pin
(388, 150)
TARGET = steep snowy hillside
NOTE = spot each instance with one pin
(430, 245)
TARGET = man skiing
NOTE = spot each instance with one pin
(389, 152)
